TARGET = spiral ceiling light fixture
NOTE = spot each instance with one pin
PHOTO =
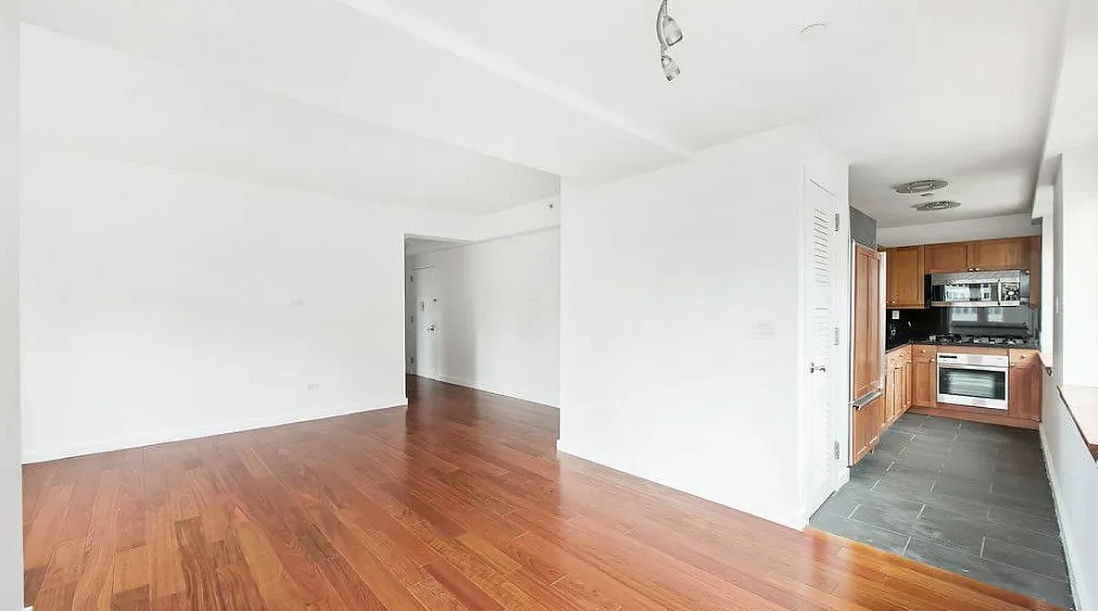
(669, 34)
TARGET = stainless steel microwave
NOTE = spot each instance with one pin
(979, 289)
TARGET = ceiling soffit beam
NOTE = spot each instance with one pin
(462, 47)
(1044, 162)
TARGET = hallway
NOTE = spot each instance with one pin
(458, 502)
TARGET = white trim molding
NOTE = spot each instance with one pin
(211, 430)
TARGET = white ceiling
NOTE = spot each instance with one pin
(419, 246)
(85, 97)
(906, 90)
(1075, 111)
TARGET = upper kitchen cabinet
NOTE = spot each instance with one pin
(990, 255)
(946, 258)
(905, 284)
(984, 255)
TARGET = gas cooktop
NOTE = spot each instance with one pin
(953, 339)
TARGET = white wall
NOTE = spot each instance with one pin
(1077, 223)
(160, 305)
(11, 524)
(1048, 282)
(499, 329)
(1074, 475)
(679, 324)
(1009, 226)
(1072, 469)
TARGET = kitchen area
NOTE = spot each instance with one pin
(946, 465)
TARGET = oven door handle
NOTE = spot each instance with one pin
(942, 365)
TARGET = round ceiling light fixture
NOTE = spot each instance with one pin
(936, 206)
(813, 31)
(669, 34)
(919, 187)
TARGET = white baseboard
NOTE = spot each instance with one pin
(157, 437)
(792, 521)
(1074, 566)
(495, 391)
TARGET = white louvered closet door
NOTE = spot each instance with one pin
(820, 337)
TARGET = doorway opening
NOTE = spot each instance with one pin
(423, 322)
(424, 309)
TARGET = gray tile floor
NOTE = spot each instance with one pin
(966, 497)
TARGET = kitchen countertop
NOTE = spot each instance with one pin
(889, 347)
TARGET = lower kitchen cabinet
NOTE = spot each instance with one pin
(911, 381)
(1025, 384)
(866, 432)
(924, 375)
(905, 380)
(897, 384)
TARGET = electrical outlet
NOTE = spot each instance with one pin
(313, 386)
(297, 303)
(895, 315)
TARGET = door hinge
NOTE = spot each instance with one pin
(836, 450)
(837, 221)
(836, 336)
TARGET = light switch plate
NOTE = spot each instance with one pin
(762, 328)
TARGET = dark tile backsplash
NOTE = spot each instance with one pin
(916, 325)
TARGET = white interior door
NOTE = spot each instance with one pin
(425, 318)
(819, 343)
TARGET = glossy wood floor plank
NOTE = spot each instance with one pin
(459, 502)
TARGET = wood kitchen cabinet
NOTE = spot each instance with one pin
(924, 375)
(906, 283)
(867, 322)
(908, 266)
(891, 397)
(866, 429)
(946, 258)
(905, 381)
(987, 255)
(1034, 265)
(979, 256)
(897, 385)
(1025, 385)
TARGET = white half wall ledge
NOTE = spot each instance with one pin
(1008, 226)
(1071, 474)
(152, 439)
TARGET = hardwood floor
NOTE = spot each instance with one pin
(459, 502)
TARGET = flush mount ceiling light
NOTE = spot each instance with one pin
(935, 206)
(919, 187)
(669, 34)
(813, 32)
